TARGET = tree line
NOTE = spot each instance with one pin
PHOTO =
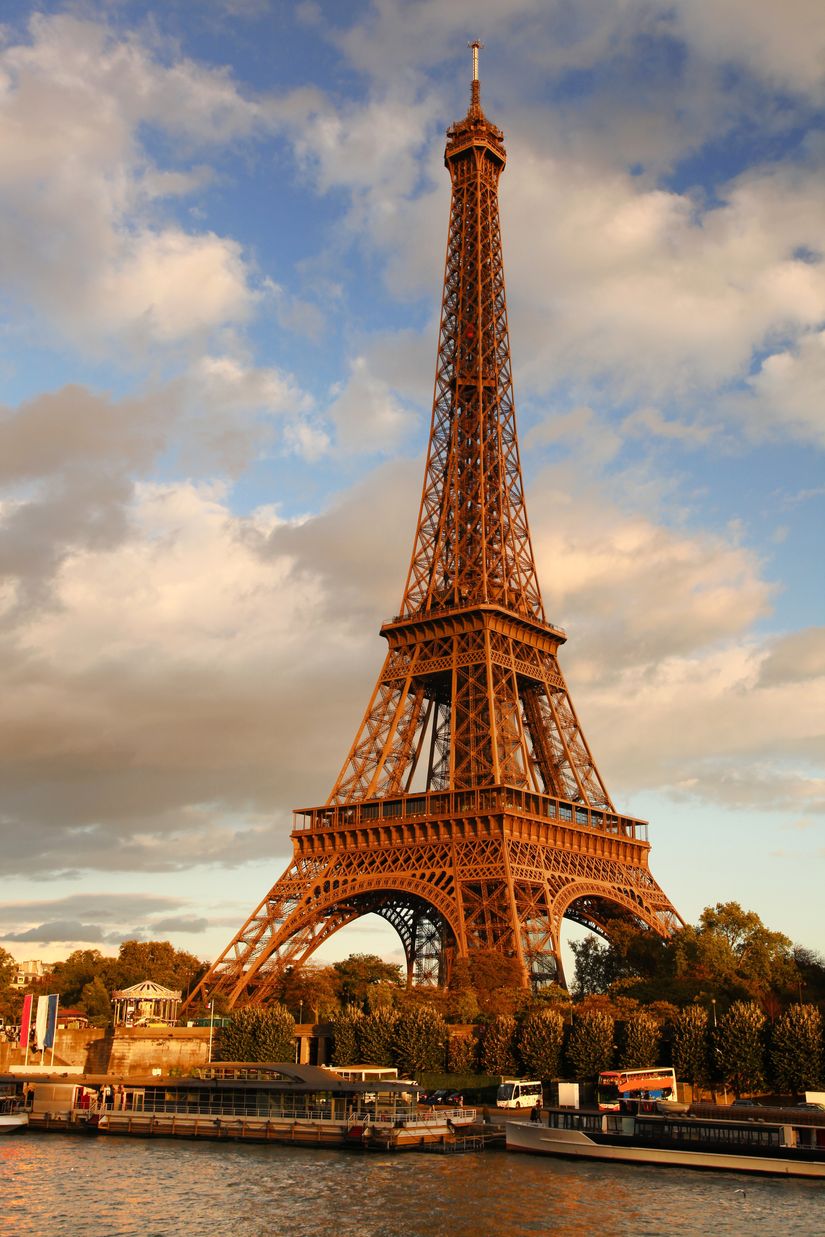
(742, 1052)
(87, 978)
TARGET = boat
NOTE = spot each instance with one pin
(252, 1102)
(13, 1116)
(788, 1143)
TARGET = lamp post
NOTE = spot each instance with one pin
(211, 1026)
(713, 1003)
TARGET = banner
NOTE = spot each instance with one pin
(40, 1022)
(26, 1021)
(51, 1021)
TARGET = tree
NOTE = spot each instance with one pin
(540, 1039)
(498, 982)
(461, 1054)
(69, 977)
(461, 1004)
(739, 1048)
(309, 992)
(345, 1035)
(597, 966)
(256, 1034)
(590, 1047)
(690, 1045)
(640, 1041)
(94, 999)
(420, 1040)
(358, 973)
(9, 997)
(160, 962)
(375, 1034)
(796, 1049)
(498, 1046)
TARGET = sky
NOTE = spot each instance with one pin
(222, 236)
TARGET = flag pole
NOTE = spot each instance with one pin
(54, 1035)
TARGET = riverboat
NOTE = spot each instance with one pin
(792, 1145)
(251, 1102)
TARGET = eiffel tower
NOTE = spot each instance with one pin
(469, 813)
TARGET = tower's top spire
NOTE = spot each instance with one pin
(475, 97)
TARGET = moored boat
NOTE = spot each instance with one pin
(792, 1146)
(13, 1116)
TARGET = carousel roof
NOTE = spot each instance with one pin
(147, 990)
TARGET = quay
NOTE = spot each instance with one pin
(252, 1102)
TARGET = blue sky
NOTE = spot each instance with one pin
(222, 232)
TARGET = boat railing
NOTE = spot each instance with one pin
(309, 1112)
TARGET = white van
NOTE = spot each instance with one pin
(519, 1093)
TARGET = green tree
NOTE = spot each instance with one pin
(597, 966)
(796, 1049)
(10, 999)
(94, 1000)
(461, 1054)
(359, 973)
(691, 1046)
(375, 1034)
(256, 1034)
(540, 1039)
(640, 1041)
(160, 962)
(498, 1045)
(420, 1040)
(345, 1035)
(739, 1048)
(69, 977)
(590, 1047)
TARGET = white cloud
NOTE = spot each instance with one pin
(366, 414)
(785, 395)
(784, 45)
(661, 293)
(81, 236)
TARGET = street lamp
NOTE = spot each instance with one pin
(713, 1003)
(211, 1026)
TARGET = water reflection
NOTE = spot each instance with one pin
(62, 1185)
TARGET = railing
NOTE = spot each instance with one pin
(525, 615)
(480, 801)
(405, 1115)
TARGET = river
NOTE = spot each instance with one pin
(56, 1185)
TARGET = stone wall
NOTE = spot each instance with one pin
(128, 1052)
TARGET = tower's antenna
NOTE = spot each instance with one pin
(477, 46)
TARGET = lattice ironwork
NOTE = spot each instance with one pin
(469, 812)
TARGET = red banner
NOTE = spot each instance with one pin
(26, 1021)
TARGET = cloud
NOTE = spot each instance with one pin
(798, 657)
(365, 412)
(194, 683)
(82, 234)
(95, 918)
(785, 394)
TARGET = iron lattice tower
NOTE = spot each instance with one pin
(469, 812)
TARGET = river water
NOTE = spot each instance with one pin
(57, 1184)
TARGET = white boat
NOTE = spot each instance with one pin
(793, 1147)
(13, 1117)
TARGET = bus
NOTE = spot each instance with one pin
(518, 1093)
(644, 1085)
